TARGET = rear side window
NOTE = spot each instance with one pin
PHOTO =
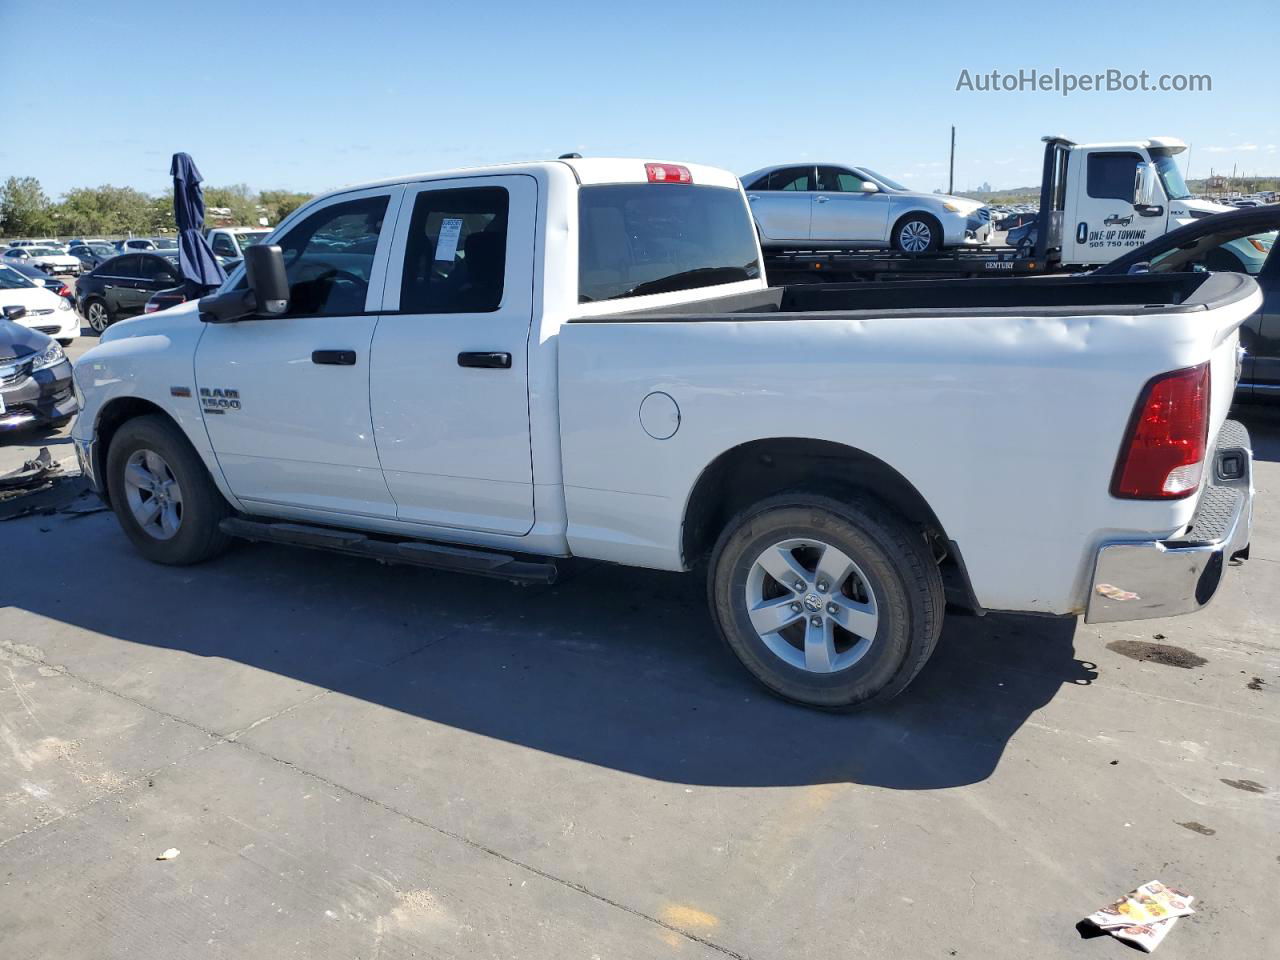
(152, 267)
(329, 257)
(637, 239)
(793, 178)
(120, 267)
(1111, 176)
(456, 254)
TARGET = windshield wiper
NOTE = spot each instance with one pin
(688, 279)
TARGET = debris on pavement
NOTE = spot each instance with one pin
(170, 854)
(1144, 916)
(32, 473)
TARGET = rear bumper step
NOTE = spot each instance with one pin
(416, 553)
(1164, 578)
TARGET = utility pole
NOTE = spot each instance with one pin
(951, 177)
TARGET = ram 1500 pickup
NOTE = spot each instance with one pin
(489, 369)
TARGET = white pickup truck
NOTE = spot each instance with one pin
(489, 369)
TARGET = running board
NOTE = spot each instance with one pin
(414, 552)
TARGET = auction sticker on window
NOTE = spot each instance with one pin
(447, 245)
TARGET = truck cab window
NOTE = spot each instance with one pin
(223, 246)
(329, 257)
(1110, 176)
(456, 253)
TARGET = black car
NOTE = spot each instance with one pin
(92, 254)
(1214, 243)
(35, 377)
(121, 286)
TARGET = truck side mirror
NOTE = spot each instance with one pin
(869, 187)
(266, 293)
(264, 266)
(1147, 193)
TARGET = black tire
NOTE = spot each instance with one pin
(922, 220)
(899, 573)
(66, 341)
(198, 537)
(98, 315)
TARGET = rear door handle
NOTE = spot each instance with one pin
(485, 360)
(335, 358)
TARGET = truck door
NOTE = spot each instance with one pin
(783, 205)
(842, 212)
(286, 399)
(449, 382)
(1104, 222)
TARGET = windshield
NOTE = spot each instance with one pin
(885, 181)
(637, 239)
(1170, 176)
(43, 252)
(166, 243)
(102, 249)
(12, 280)
(249, 239)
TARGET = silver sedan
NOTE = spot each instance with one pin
(832, 205)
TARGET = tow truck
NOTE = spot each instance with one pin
(1097, 202)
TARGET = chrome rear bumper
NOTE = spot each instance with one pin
(1163, 578)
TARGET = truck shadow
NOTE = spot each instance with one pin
(615, 667)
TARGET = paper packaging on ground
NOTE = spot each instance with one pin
(1144, 916)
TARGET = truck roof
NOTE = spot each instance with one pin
(587, 171)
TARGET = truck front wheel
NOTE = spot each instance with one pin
(829, 603)
(162, 494)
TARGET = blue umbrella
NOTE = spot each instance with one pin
(200, 268)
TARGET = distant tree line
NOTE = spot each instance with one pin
(25, 209)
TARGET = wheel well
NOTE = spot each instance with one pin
(112, 417)
(762, 468)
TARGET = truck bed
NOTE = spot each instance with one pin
(1044, 296)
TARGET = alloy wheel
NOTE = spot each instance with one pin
(811, 605)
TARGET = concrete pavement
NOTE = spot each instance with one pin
(360, 761)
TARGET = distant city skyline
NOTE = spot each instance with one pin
(275, 99)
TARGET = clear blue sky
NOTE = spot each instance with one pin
(313, 95)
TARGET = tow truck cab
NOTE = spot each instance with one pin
(1104, 199)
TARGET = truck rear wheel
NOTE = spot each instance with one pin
(162, 494)
(828, 603)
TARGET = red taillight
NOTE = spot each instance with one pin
(667, 173)
(151, 307)
(64, 291)
(1163, 453)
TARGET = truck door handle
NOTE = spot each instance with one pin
(752, 196)
(822, 199)
(485, 360)
(336, 358)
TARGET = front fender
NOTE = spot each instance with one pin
(143, 365)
